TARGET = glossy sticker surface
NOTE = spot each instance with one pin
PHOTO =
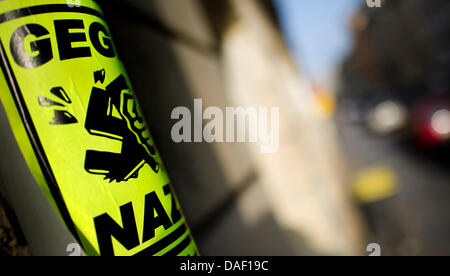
(73, 113)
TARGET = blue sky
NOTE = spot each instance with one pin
(317, 32)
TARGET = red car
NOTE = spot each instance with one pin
(430, 121)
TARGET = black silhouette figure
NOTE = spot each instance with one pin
(129, 129)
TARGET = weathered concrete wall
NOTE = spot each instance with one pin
(172, 57)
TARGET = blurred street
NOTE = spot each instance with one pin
(414, 221)
(394, 125)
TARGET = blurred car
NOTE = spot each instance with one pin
(430, 121)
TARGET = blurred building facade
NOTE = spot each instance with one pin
(401, 50)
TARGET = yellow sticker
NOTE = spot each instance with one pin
(86, 142)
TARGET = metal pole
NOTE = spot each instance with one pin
(81, 164)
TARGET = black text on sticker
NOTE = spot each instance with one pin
(155, 216)
(31, 44)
